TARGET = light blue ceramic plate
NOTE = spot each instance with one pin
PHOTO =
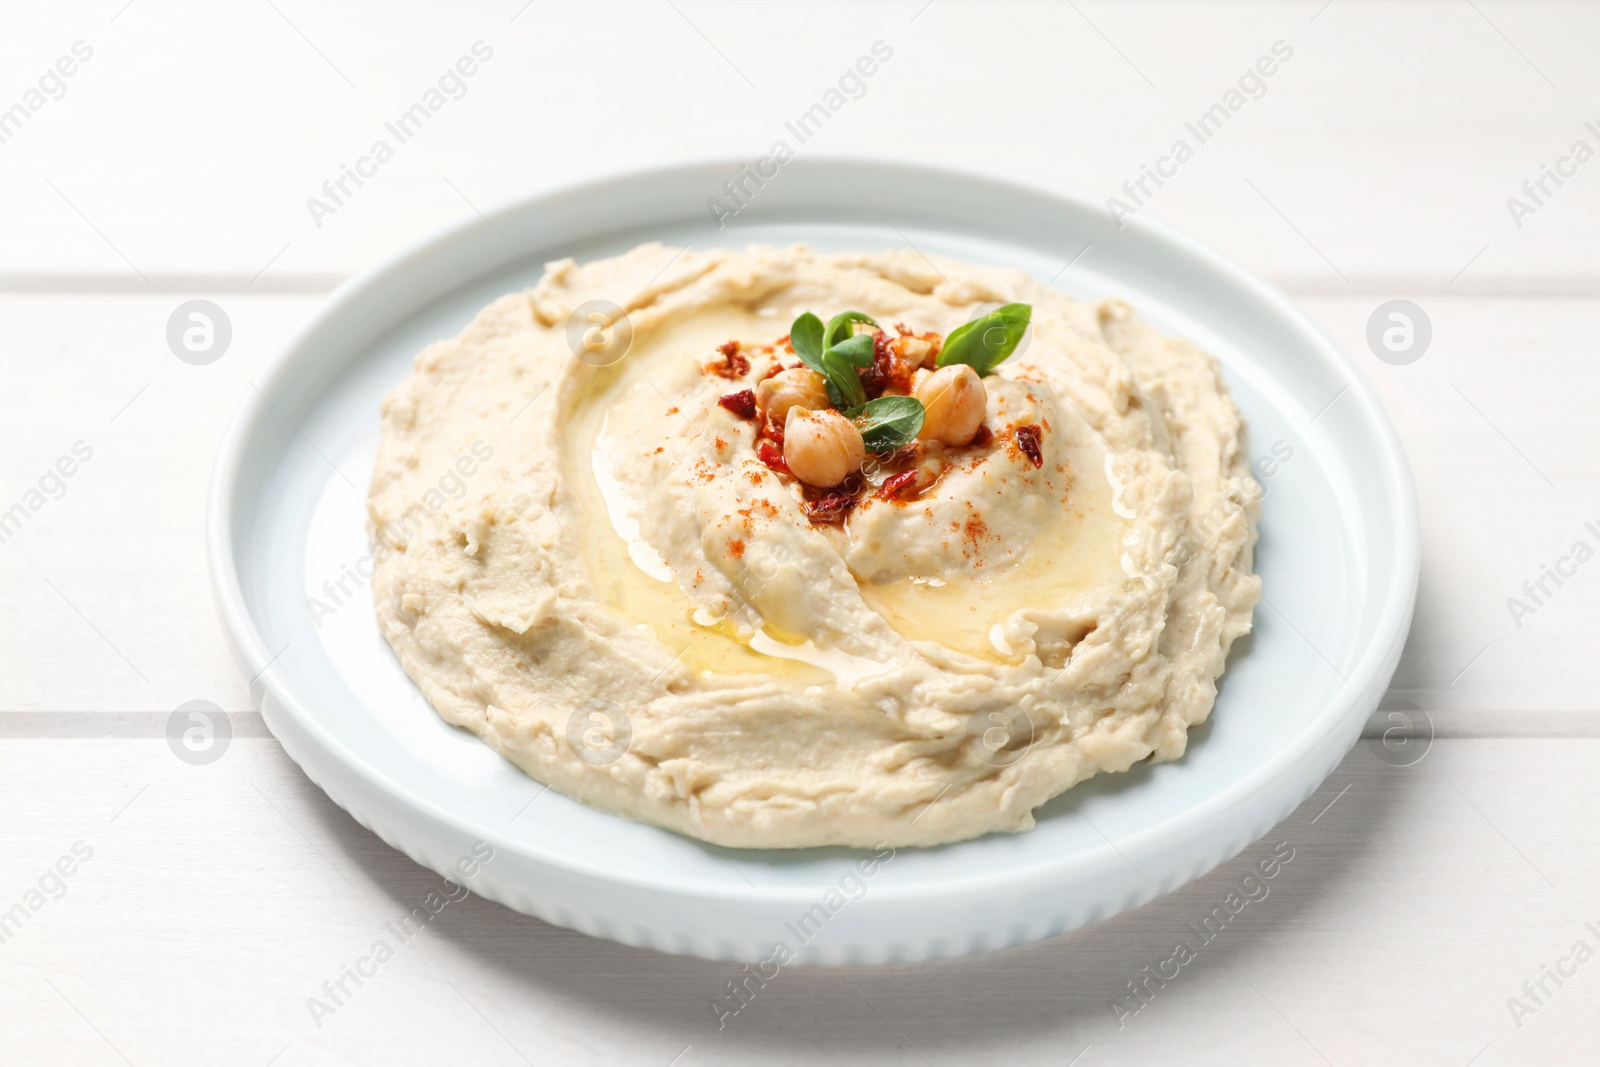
(1337, 556)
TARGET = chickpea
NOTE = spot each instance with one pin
(955, 402)
(914, 350)
(822, 448)
(799, 387)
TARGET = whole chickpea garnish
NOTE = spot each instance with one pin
(798, 387)
(955, 402)
(822, 448)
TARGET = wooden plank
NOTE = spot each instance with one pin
(105, 598)
(218, 899)
(1380, 155)
(1496, 422)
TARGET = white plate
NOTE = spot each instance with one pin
(1337, 556)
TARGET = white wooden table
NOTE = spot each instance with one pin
(206, 904)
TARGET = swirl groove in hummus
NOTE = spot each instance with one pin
(633, 607)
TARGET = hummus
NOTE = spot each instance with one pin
(636, 604)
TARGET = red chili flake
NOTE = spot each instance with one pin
(742, 403)
(900, 486)
(772, 456)
(1028, 441)
(733, 365)
(888, 373)
(830, 507)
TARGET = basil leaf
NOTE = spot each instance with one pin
(986, 342)
(890, 422)
(806, 337)
(856, 350)
(842, 327)
(844, 384)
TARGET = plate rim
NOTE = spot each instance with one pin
(1384, 644)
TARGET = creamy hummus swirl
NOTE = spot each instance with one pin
(632, 606)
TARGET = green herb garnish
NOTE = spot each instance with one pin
(844, 384)
(806, 337)
(856, 350)
(988, 341)
(842, 327)
(835, 352)
(889, 422)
